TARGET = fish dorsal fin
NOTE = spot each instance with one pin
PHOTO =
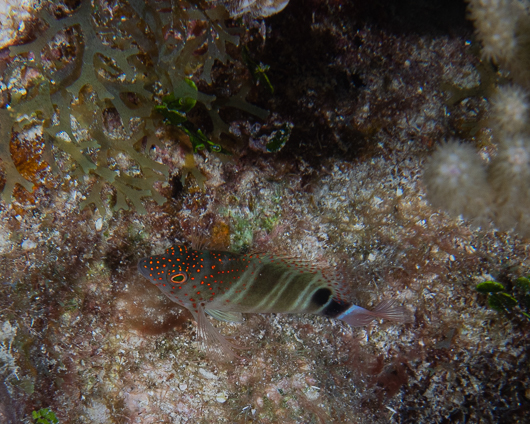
(296, 263)
(289, 260)
(225, 315)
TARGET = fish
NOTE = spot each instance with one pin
(224, 285)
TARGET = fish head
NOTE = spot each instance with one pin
(172, 267)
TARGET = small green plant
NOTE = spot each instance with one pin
(279, 138)
(500, 300)
(258, 70)
(45, 416)
(174, 109)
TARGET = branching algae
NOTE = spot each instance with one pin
(92, 79)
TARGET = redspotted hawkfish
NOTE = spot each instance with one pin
(224, 285)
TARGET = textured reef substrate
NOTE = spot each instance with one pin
(81, 332)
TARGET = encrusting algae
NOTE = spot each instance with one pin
(223, 285)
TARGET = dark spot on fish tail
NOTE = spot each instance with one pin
(321, 296)
(334, 308)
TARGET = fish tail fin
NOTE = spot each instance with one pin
(213, 341)
(387, 309)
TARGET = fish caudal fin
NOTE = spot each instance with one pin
(213, 341)
(359, 317)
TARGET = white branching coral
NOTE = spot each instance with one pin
(503, 29)
(495, 24)
(509, 109)
(459, 182)
(255, 8)
(456, 180)
(509, 176)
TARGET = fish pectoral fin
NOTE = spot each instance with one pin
(212, 341)
(226, 316)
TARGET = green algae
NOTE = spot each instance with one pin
(45, 416)
(95, 96)
(516, 303)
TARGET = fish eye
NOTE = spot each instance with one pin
(179, 278)
(216, 148)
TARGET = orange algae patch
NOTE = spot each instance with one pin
(220, 236)
(27, 156)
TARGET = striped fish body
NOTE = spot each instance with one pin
(227, 282)
(224, 285)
